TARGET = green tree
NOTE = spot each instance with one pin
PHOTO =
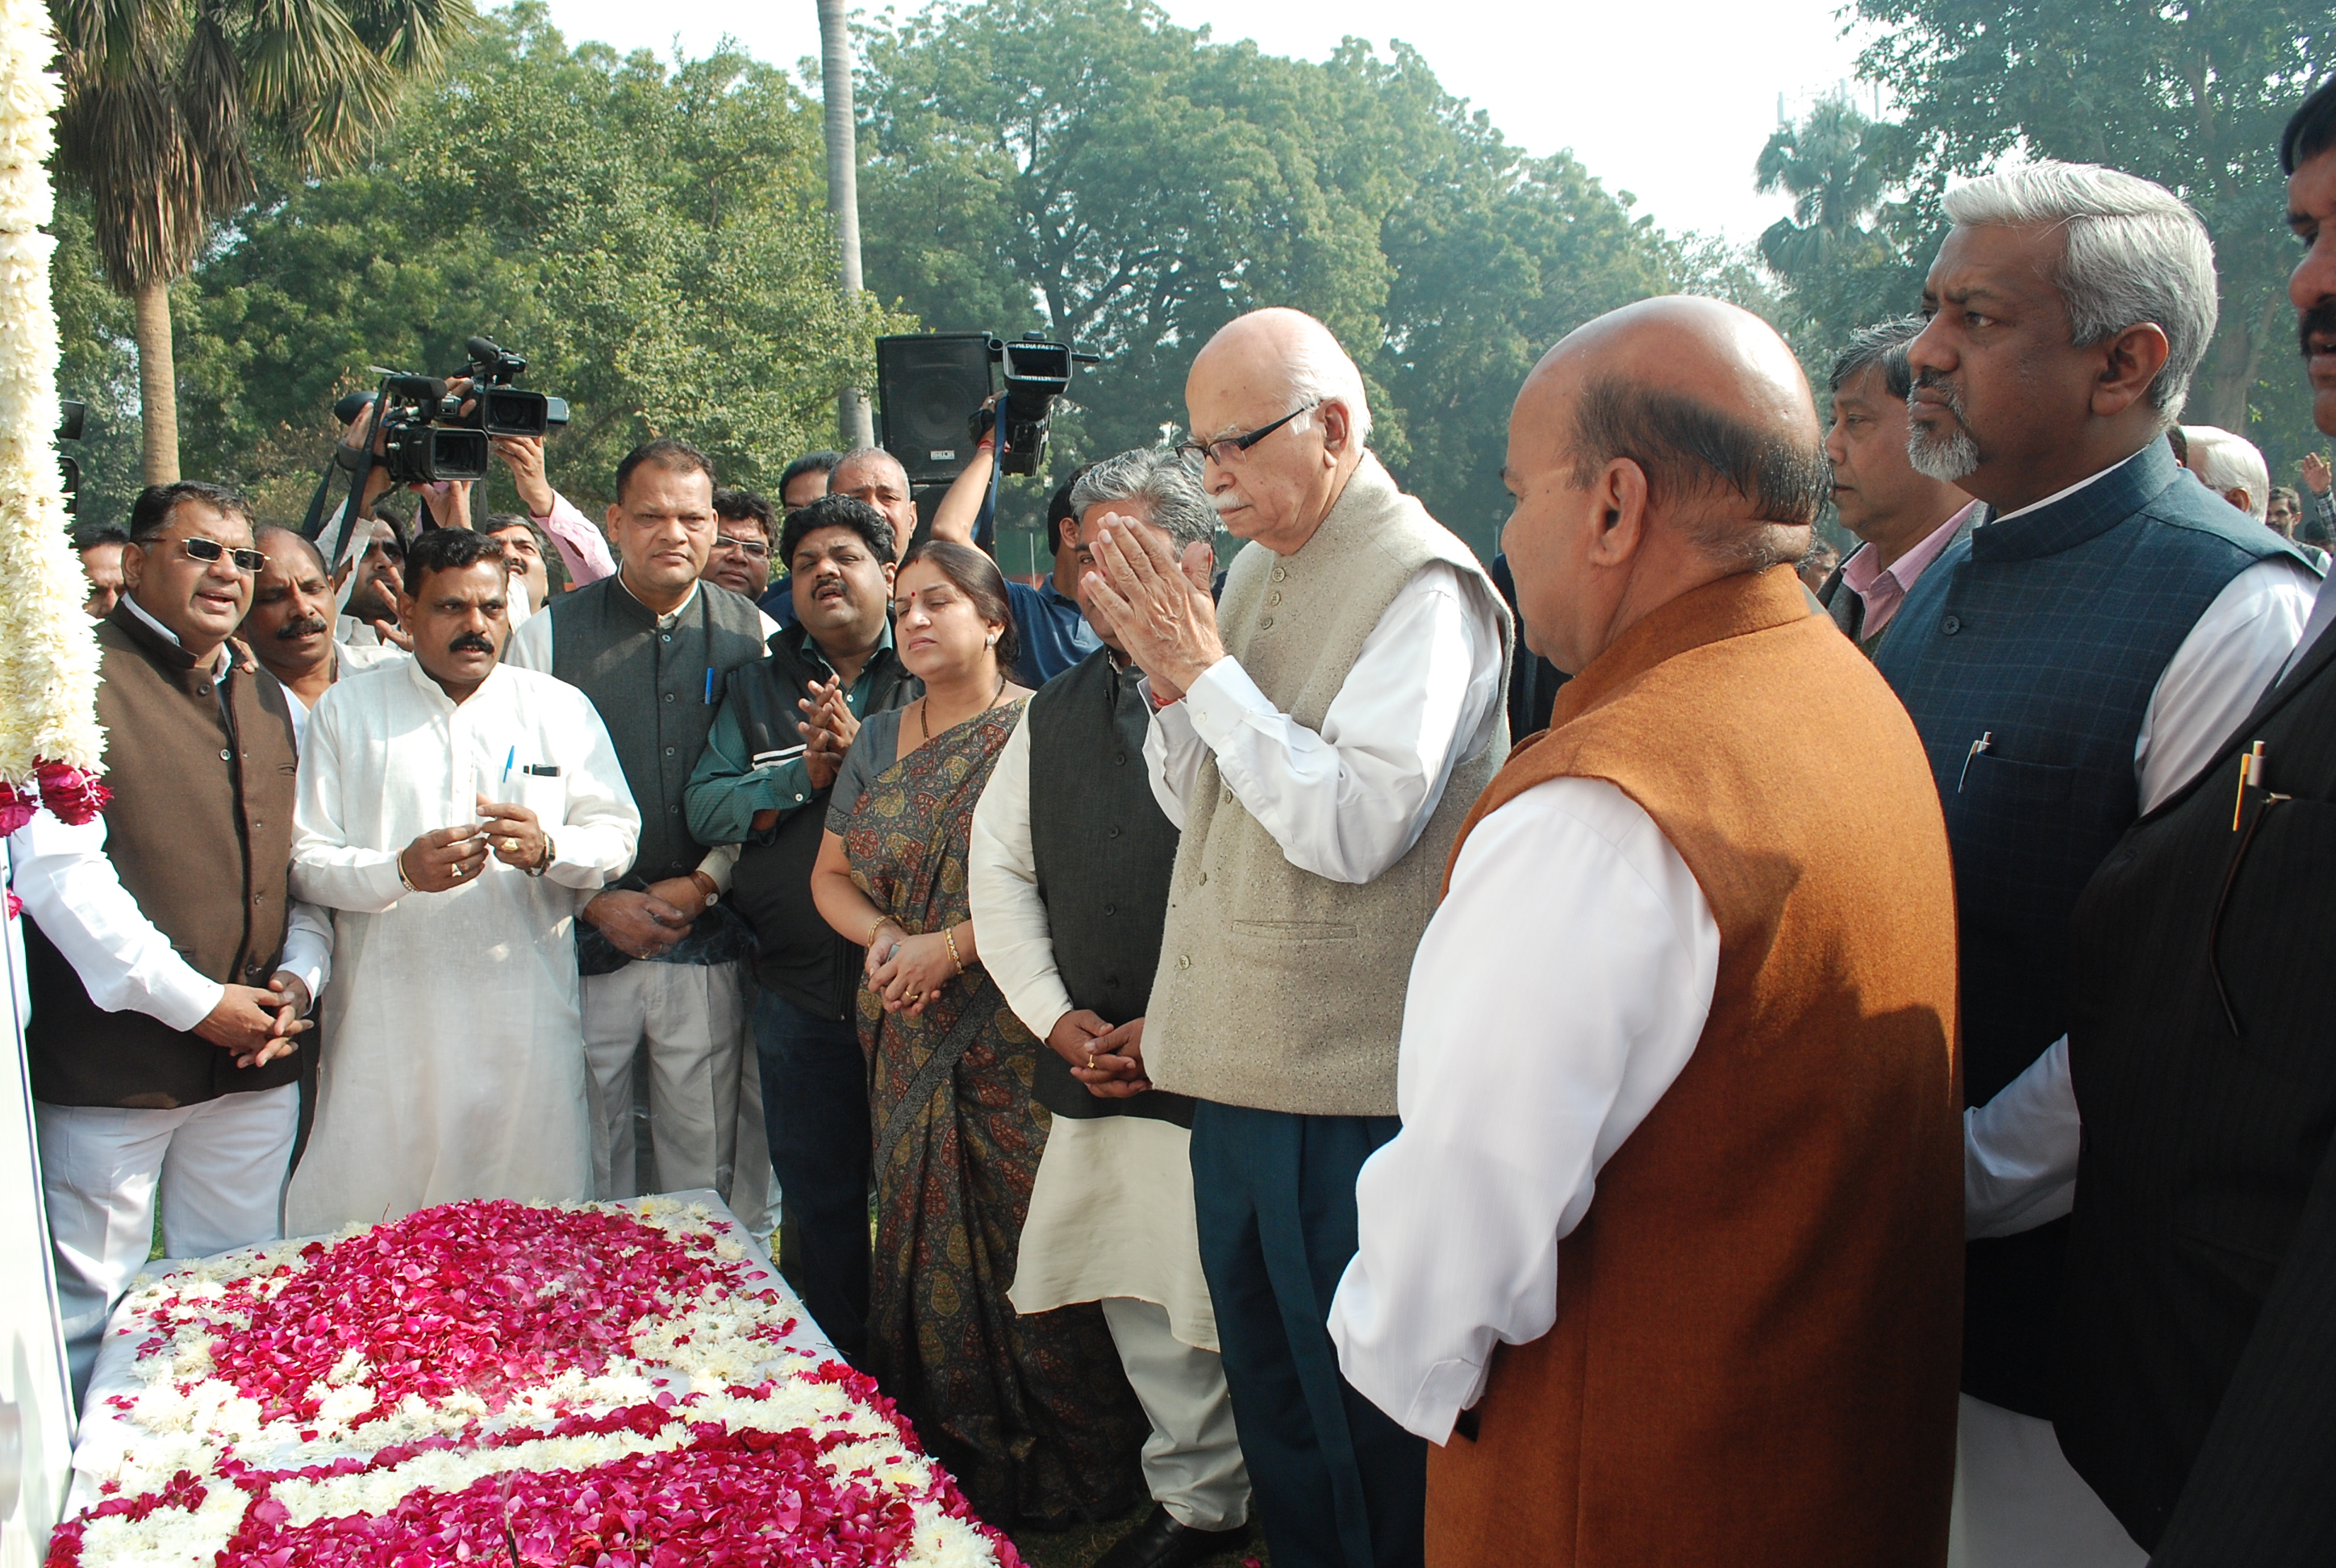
(167, 104)
(652, 237)
(1132, 185)
(2189, 93)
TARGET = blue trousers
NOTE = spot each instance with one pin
(1337, 1483)
(815, 1110)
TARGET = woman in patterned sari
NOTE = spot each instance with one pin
(1032, 1414)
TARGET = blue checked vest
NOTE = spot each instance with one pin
(2046, 634)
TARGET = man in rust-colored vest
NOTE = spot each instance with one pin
(1666, 1258)
(171, 970)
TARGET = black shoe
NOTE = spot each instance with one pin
(1161, 1542)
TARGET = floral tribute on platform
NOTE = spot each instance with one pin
(502, 1384)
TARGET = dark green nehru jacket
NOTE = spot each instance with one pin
(1104, 854)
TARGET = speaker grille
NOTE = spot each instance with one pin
(928, 387)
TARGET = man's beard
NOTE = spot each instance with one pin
(1949, 455)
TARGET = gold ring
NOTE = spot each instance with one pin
(510, 846)
(458, 869)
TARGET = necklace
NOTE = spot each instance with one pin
(924, 733)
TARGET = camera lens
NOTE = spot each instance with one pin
(457, 454)
(507, 411)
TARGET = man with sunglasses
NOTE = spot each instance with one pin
(1318, 741)
(171, 972)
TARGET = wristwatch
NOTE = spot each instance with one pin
(705, 881)
(550, 854)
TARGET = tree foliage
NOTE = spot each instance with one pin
(651, 236)
(1131, 185)
(2188, 93)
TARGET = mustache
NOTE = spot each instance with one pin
(307, 626)
(1928, 380)
(2320, 321)
(472, 642)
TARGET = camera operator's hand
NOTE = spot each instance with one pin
(524, 457)
(449, 501)
(359, 433)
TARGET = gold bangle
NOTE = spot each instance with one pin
(881, 921)
(404, 881)
(949, 935)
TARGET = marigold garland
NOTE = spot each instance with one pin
(50, 742)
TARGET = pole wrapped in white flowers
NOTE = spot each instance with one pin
(50, 742)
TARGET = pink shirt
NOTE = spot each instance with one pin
(583, 549)
(1884, 588)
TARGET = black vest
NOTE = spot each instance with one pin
(2202, 1254)
(656, 691)
(797, 953)
(1104, 853)
(2044, 635)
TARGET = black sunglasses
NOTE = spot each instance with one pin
(250, 562)
(1227, 448)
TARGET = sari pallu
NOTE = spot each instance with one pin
(1032, 1414)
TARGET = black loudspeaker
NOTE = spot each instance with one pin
(929, 386)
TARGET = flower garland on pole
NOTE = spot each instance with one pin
(50, 742)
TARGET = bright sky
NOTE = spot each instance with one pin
(1671, 100)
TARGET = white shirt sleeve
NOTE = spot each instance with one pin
(2220, 671)
(530, 647)
(1347, 803)
(1532, 1050)
(2020, 1151)
(125, 963)
(1172, 756)
(307, 946)
(1017, 945)
(328, 870)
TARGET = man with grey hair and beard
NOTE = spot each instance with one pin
(1068, 872)
(2069, 665)
(1318, 741)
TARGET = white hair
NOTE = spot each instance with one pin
(1321, 372)
(2224, 462)
(2135, 252)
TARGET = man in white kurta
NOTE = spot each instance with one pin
(454, 1049)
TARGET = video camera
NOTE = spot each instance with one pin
(1036, 372)
(429, 434)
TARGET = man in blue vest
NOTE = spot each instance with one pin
(664, 961)
(2070, 664)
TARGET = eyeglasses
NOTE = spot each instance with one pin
(250, 562)
(1226, 449)
(754, 547)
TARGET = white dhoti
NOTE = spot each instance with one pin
(1111, 1221)
(2020, 1504)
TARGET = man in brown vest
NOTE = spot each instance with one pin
(171, 970)
(1667, 1257)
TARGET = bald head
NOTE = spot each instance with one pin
(1283, 369)
(1659, 447)
(874, 475)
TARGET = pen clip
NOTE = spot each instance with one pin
(1986, 742)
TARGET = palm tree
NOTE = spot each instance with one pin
(167, 104)
(843, 190)
(1832, 165)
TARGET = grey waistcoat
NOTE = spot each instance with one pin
(1279, 988)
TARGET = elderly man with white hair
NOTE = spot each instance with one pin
(1318, 740)
(2069, 665)
(2233, 467)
